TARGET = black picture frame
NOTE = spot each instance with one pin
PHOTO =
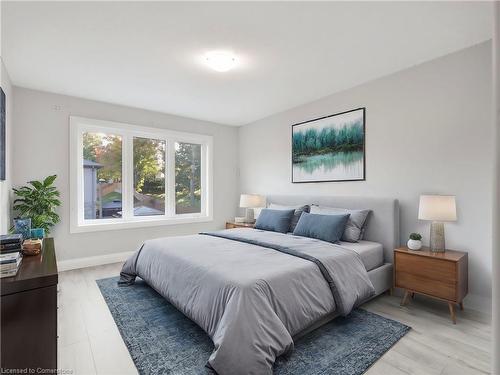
(363, 178)
(3, 145)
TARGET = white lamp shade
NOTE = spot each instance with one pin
(252, 201)
(437, 208)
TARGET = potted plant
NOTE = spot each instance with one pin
(38, 201)
(415, 243)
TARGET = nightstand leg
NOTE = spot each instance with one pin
(461, 306)
(404, 301)
(452, 312)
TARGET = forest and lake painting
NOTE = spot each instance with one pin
(330, 148)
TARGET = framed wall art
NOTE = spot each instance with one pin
(330, 148)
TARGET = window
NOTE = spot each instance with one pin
(102, 175)
(128, 176)
(187, 178)
(149, 176)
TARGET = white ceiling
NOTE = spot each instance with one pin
(147, 55)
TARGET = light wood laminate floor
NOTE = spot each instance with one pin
(89, 341)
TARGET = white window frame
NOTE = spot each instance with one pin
(78, 224)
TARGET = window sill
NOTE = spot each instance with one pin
(142, 222)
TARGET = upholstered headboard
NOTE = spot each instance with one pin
(383, 222)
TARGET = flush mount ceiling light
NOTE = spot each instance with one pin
(220, 61)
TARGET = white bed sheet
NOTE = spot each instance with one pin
(371, 253)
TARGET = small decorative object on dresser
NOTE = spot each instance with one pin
(22, 226)
(37, 233)
(32, 247)
(10, 254)
(232, 224)
(251, 201)
(414, 242)
(437, 208)
(439, 275)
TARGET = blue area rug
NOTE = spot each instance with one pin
(161, 340)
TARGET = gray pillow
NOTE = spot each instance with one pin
(274, 220)
(296, 215)
(322, 227)
(365, 225)
(355, 226)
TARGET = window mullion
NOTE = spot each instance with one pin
(203, 179)
(80, 177)
(128, 180)
(208, 170)
(170, 178)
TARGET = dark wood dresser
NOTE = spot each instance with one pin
(29, 313)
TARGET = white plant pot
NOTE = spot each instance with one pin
(414, 244)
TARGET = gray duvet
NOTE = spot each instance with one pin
(251, 290)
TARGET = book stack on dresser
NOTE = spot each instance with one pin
(10, 254)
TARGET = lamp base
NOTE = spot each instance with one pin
(249, 216)
(437, 237)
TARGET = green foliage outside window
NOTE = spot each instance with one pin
(149, 168)
(187, 177)
(149, 163)
(106, 150)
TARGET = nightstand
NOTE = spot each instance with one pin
(439, 275)
(231, 225)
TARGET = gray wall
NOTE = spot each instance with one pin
(496, 205)
(41, 136)
(427, 131)
(5, 186)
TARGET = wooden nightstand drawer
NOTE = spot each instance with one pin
(435, 269)
(427, 286)
(231, 225)
(439, 275)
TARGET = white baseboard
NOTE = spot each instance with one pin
(72, 264)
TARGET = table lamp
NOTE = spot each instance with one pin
(437, 208)
(251, 201)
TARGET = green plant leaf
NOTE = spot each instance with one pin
(37, 184)
(49, 180)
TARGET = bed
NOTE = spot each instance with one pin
(254, 291)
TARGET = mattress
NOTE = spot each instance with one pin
(371, 253)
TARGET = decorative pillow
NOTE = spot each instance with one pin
(274, 220)
(296, 215)
(322, 227)
(355, 225)
(365, 225)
